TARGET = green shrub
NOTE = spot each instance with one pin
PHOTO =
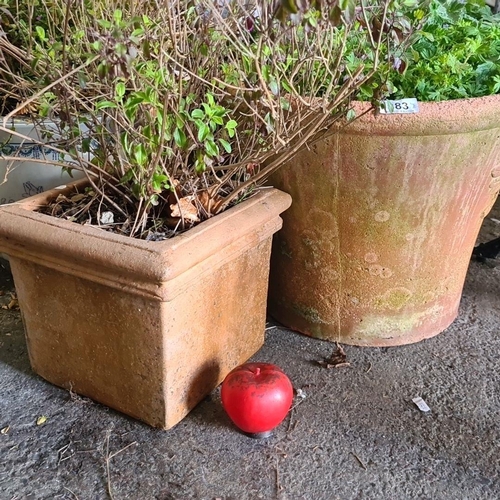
(455, 55)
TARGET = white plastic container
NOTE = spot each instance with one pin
(25, 177)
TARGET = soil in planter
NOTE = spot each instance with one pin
(86, 207)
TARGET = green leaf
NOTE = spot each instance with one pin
(104, 24)
(117, 16)
(96, 46)
(121, 49)
(226, 145)
(203, 130)
(120, 90)
(210, 99)
(197, 114)
(199, 166)
(265, 72)
(351, 114)
(140, 154)
(86, 144)
(180, 138)
(129, 174)
(105, 105)
(138, 32)
(285, 104)
(160, 182)
(211, 148)
(290, 6)
(217, 120)
(41, 33)
(273, 85)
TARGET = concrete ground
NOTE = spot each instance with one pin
(355, 435)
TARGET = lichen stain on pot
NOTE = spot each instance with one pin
(394, 298)
(382, 216)
(386, 327)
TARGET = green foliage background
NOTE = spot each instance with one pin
(455, 55)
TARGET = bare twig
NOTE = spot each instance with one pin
(108, 458)
(359, 460)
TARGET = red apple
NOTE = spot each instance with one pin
(257, 397)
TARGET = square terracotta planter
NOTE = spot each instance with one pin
(147, 328)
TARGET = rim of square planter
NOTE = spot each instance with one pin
(151, 268)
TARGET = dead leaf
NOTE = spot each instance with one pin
(28, 109)
(78, 197)
(61, 197)
(186, 209)
(209, 204)
(13, 304)
(5, 430)
(251, 167)
(336, 360)
(41, 420)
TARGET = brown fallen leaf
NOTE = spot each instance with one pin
(336, 360)
(13, 304)
(209, 204)
(185, 209)
(78, 197)
(60, 198)
(28, 109)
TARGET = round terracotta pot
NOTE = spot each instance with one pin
(385, 213)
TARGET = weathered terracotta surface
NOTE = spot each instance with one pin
(147, 328)
(385, 214)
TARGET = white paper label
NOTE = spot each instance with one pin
(107, 218)
(401, 106)
(422, 405)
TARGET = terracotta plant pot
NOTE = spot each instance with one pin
(385, 214)
(147, 328)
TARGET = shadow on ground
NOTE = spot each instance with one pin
(356, 434)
